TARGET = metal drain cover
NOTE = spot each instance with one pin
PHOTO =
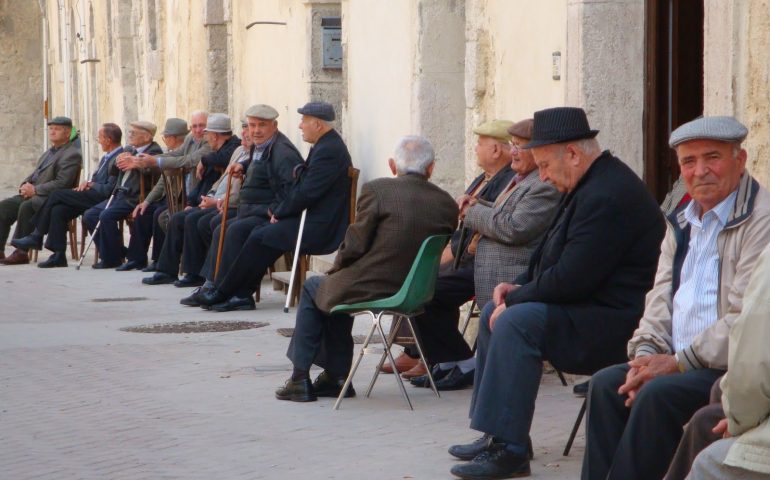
(194, 327)
(119, 299)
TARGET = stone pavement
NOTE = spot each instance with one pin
(81, 399)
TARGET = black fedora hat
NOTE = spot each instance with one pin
(558, 125)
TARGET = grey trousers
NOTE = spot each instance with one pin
(709, 465)
(19, 210)
(696, 437)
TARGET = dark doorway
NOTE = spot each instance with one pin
(673, 83)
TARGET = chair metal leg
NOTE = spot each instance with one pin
(468, 317)
(575, 427)
(422, 357)
(561, 377)
(355, 365)
(393, 362)
(387, 344)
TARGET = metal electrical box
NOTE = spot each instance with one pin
(331, 29)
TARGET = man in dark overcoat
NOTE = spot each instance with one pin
(322, 187)
(372, 263)
(578, 303)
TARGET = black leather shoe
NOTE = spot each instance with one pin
(100, 265)
(159, 278)
(326, 385)
(190, 281)
(422, 380)
(469, 451)
(296, 391)
(455, 380)
(130, 265)
(211, 297)
(234, 303)
(494, 464)
(58, 259)
(152, 267)
(30, 242)
(193, 299)
(581, 389)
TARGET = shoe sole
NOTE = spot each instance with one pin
(297, 398)
(235, 309)
(493, 477)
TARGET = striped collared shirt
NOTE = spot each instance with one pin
(695, 302)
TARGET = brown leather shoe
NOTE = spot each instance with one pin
(415, 371)
(403, 363)
(18, 257)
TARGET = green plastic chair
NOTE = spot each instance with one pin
(415, 292)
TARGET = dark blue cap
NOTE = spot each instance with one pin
(322, 110)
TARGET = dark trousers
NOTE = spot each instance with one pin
(20, 210)
(145, 228)
(171, 252)
(198, 237)
(108, 239)
(437, 326)
(236, 254)
(638, 443)
(319, 338)
(509, 365)
(62, 206)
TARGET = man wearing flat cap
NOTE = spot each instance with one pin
(636, 410)
(577, 303)
(186, 147)
(132, 178)
(322, 187)
(56, 169)
(267, 175)
(66, 204)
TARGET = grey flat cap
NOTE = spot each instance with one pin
(721, 129)
(522, 129)
(148, 127)
(218, 123)
(265, 112)
(322, 110)
(175, 126)
(60, 120)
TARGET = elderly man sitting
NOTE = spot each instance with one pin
(372, 262)
(571, 307)
(636, 410)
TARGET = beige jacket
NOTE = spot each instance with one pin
(219, 189)
(745, 235)
(746, 386)
(187, 156)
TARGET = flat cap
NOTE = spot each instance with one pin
(721, 129)
(497, 129)
(218, 123)
(149, 127)
(265, 112)
(322, 110)
(175, 126)
(244, 123)
(60, 120)
(522, 129)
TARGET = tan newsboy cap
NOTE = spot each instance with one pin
(522, 129)
(497, 129)
(265, 112)
(146, 126)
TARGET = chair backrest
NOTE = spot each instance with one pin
(176, 197)
(420, 283)
(353, 174)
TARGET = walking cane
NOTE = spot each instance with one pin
(459, 253)
(223, 225)
(131, 151)
(294, 262)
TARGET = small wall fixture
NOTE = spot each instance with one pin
(556, 66)
(264, 23)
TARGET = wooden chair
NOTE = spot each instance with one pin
(303, 265)
(176, 190)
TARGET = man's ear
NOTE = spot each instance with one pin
(574, 158)
(392, 165)
(429, 170)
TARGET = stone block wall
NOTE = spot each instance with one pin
(21, 98)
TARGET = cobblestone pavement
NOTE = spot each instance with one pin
(81, 399)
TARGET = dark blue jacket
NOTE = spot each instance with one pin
(103, 181)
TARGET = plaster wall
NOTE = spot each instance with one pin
(509, 63)
(605, 72)
(21, 97)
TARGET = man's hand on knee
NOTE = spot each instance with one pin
(503, 289)
(496, 313)
(721, 429)
(644, 369)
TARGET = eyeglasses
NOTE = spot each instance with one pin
(515, 148)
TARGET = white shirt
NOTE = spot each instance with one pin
(695, 302)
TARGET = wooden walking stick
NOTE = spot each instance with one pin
(295, 261)
(223, 225)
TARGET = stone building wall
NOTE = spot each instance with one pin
(21, 91)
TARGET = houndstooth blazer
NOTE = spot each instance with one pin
(510, 232)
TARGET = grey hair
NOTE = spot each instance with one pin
(199, 112)
(414, 154)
